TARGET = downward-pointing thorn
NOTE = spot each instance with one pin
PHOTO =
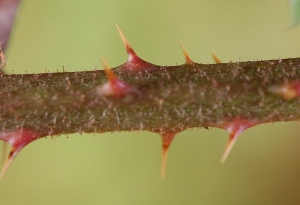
(186, 56)
(231, 141)
(235, 127)
(215, 57)
(18, 140)
(167, 138)
(128, 48)
(13, 153)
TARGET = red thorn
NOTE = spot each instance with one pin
(216, 58)
(134, 62)
(186, 56)
(231, 141)
(18, 140)
(114, 87)
(288, 90)
(235, 128)
(130, 51)
(167, 138)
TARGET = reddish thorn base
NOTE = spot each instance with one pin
(136, 64)
(235, 127)
(167, 138)
(114, 88)
(18, 140)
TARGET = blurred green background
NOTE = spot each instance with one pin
(124, 168)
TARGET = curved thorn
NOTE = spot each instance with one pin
(128, 48)
(235, 128)
(186, 56)
(216, 58)
(18, 139)
(13, 153)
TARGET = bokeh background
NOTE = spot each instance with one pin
(124, 168)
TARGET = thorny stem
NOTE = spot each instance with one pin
(142, 96)
(161, 99)
(168, 97)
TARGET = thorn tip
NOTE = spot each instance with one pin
(235, 128)
(216, 58)
(18, 140)
(8, 162)
(108, 71)
(114, 87)
(128, 48)
(186, 56)
(167, 138)
(232, 139)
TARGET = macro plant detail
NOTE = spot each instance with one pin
(138, 95)
(141, 96)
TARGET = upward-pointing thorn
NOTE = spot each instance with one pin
(186, 56)
(130, 51)
(216, 58)
(114, 87)
(110, 75)
(134, 62)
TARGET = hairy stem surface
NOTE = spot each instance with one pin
(166, 97)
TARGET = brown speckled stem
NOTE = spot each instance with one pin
(167, 98)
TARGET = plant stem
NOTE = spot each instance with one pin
(164, 98)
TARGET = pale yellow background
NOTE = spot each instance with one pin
(124, 168)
